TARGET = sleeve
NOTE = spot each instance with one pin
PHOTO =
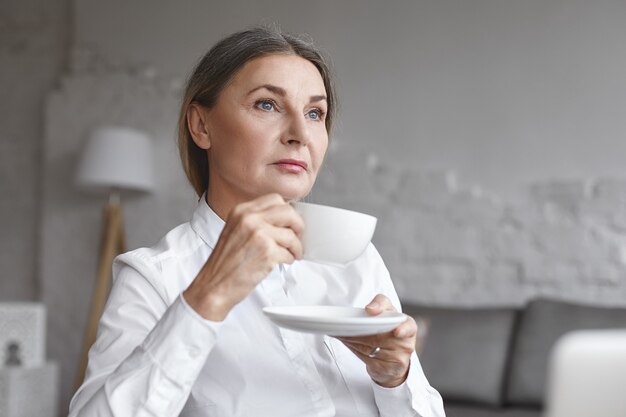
(147, 354)
(414, 397)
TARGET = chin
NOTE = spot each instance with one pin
(293, 196)
(291, 193)
(290, 187)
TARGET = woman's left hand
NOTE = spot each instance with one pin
(389, 365)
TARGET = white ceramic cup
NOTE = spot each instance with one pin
(333, 235)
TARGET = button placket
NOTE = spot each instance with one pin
(296, 348)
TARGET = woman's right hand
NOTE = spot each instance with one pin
(258, 235)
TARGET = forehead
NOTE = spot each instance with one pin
(291, 72)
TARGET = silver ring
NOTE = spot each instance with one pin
(374, 352)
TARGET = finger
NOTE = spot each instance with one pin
(361, 340)
(408, 329)
(250, 219)
(283, 256)
(379, 304)
(402, 337)
(364, 352)
(287, 239)
(370, 354)
(259, 204)
(284, 215)
(388, 340)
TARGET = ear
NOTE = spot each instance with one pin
(197, 122)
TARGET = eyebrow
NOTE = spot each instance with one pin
(282, 92)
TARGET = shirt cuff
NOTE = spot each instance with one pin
(394, 401)
(411, 398)
(181, 342)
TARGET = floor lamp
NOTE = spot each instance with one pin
(114, 159)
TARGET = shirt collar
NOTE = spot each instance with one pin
(206, 223)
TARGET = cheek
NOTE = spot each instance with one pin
(244, 136)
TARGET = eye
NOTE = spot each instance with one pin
(315, 114)
(266, 105)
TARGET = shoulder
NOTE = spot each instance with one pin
(169, 266)
(176, 244)
(371, 265)
(370, 260)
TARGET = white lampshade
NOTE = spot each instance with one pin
(117, 157)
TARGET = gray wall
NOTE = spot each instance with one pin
(523, 100)
(504, 92)
(33, 47)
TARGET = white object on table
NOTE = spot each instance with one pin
(587, 375)
(24, 325)
(29, 392)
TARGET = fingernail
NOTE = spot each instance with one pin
(374, 305)
(402, 333)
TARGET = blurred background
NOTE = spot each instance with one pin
(488, 136)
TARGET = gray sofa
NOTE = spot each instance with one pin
(493, 361)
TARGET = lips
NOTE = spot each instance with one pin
(294, 164)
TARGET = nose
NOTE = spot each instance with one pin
(296, 131)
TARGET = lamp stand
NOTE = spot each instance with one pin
(113, 243)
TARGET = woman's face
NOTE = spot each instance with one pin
(266, 133)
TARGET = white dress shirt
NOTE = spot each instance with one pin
(155, 356)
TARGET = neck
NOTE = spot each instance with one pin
(222, 203)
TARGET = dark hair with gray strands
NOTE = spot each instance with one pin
(218, 67)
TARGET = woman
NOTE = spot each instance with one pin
(183, 332)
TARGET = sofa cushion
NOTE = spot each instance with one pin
(465, 351)
(541, 324)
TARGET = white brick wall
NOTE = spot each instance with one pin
(446, 242)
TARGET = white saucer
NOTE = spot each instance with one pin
(333, 320)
